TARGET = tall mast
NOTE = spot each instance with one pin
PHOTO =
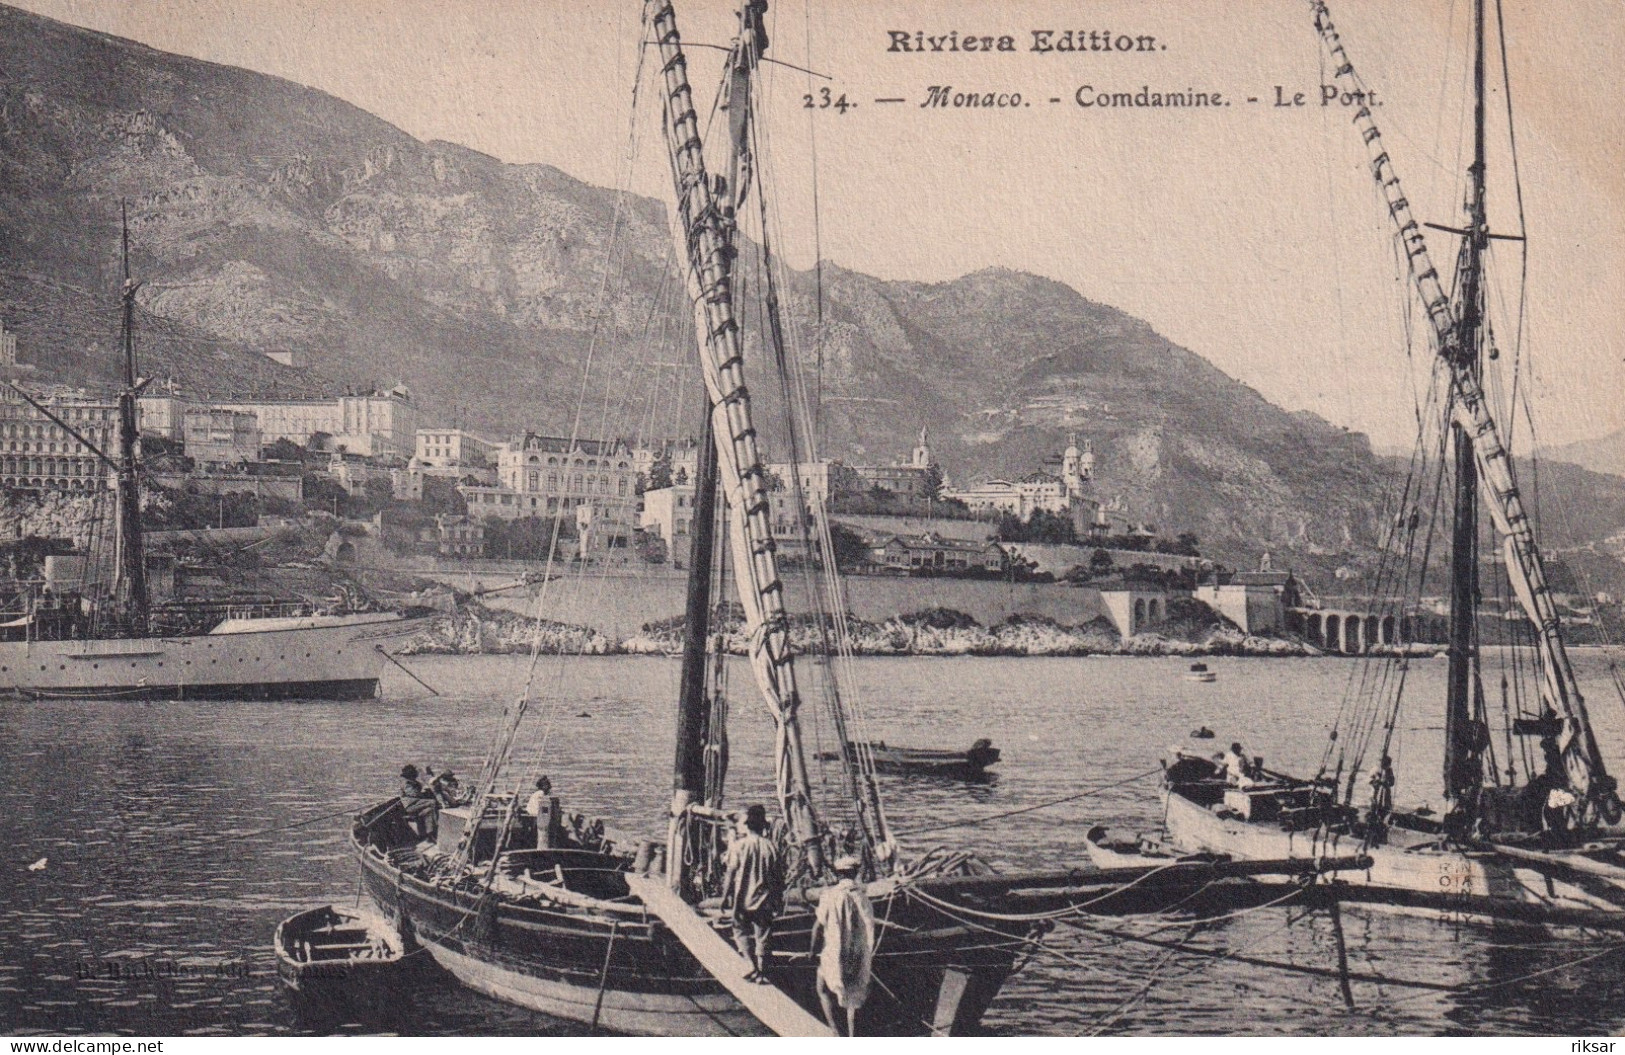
(705, 226)
(130, 586)
(1463, 766)
(694, 698)
(1587, 776)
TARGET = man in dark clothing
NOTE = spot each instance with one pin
(754, 889)
(422, 811)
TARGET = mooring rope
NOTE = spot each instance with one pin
(1029, 809)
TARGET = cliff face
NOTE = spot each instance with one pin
(269, 216)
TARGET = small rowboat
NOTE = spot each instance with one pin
(928, 762)
(332, 949)
(1199, 672)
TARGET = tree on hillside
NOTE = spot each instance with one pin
(850, 549)
(1185, 545)
(660, 472)
(933, 483)
(284, 450)
(440, 496)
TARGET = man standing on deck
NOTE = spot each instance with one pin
(846, 923)
(754, 889)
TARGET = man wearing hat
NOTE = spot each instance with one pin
(845, 923)
(754, 889)
(421, 808)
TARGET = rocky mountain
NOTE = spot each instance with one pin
(267, 216)
(1605, 454)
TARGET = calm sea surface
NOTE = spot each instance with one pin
(176, 835)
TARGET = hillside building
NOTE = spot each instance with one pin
(37, 453)
(453, 449)
(918, 478)
(221, 437)
(1063, 495)
(1256, 601)
(930, 554)
(550, 476)
(668, 513)
(375, 425)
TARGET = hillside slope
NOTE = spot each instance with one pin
(270, 216)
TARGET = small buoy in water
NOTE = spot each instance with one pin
(584, 714)
(38, 866)
(1203, 733)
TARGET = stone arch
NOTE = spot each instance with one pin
(1373, 628)
(1139, 615)
(1388, 627)
(1333, 640)
(1351, 634)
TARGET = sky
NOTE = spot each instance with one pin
(1251, 234)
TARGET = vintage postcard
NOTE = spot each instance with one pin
(816, 518)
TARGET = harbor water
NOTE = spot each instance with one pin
(151, 848)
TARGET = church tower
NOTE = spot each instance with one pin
(922, 452)
(1077, 466)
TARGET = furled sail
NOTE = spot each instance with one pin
(1582, 758)
(705, 227)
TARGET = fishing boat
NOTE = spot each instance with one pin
(1530, 828)
(970, 764)
(1199, 672)
(336, 951)
(107, 640)
(630, 939)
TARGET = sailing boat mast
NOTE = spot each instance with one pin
(1583, 768)
(130, 585)
(1464, 731)
(705, 227)
(694, 699)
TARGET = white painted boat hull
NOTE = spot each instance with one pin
(338, 658)
(1454, 880)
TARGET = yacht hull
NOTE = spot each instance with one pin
(326, 658)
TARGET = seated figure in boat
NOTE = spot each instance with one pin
(447, 789)
(422, 809)
(1238, 772)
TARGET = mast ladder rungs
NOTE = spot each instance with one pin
(768, 1003)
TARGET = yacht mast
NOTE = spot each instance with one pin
(130, 585)
(705, 228)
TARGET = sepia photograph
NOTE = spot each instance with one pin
(811, 518)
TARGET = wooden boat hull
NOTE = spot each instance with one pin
(1417, 870)
(339, 660)
(605, 963)
(914, 761)
(336, 974)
